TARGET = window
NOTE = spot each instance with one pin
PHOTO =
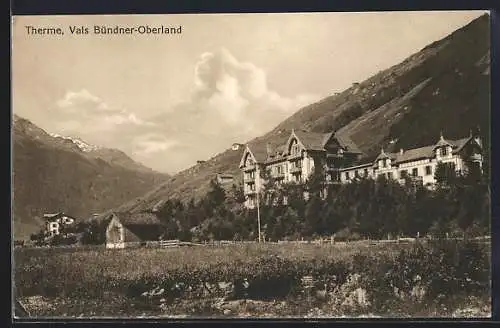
(389, 175)
(414, 172)
(278, 169)
(444, 151)
(347, 176)
(356, 174)
(428, 170)
(295, 148)
(403, 174)
(366, 172)
(384, 163)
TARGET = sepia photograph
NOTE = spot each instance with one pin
(244, 166)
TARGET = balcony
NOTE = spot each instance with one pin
(249, 168)
(250, 192)
(247, 178)
(295, 169)
(278, 176)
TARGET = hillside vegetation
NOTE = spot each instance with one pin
(445, 87)
(52, 174)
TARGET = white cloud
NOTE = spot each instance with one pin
(148, 144)
(231, 102)
(93, 113)
(75, 99)
(238, 90)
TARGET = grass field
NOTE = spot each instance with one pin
(347, 279)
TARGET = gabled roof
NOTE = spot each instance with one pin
(312, 140)
(383, 154)
(51, 215)
(276, 152)
(141, 218)
(460, 143)
(347, 143)
(55, 216)
(427, 151)
(442, 142)
(259, 147)
(415, 154)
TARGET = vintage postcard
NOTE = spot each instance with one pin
(285, 165)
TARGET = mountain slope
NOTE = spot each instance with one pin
(444, 87)
(54, 173)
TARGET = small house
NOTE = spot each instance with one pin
(127, 229)
(224, 178)
(236, 146)
(56, 222)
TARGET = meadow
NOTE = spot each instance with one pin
(426, 279)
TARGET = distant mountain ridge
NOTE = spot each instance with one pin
(53, 173)
(445, 88)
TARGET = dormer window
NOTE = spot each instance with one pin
(294, 147)
(444, 151)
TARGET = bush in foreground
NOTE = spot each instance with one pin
(425, 273)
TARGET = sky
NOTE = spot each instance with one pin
(170, 100)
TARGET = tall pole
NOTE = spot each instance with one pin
(258, 213)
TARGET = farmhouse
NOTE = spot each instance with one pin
(126, 229)
(419, 164)
(341, 160)
(294, 160)
(56, 222)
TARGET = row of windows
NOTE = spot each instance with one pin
(414, 172)
(402, 174)
(443, 152)
(356, 174)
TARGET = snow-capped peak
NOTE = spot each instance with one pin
(82, 145)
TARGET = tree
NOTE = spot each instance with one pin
(445, 174)
(94, 233)
(216, 195)
(313, 215)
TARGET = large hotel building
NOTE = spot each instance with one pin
(294, 160)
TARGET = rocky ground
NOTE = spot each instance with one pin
(116, 305)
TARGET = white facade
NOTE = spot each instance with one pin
(420, 164)
(55, 222)
(293, 162)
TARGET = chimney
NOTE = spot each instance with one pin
(401, 151)
(477, 136)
